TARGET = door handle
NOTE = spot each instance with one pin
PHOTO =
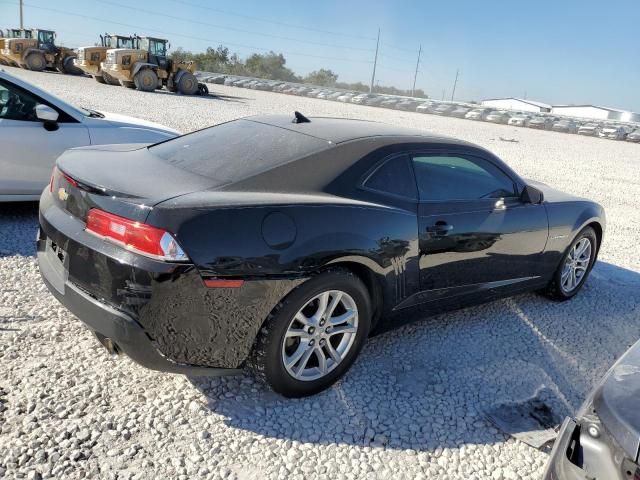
(440, 228)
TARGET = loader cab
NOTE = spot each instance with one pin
(46, 40)
(157, 50)
(19, 33)
(119, 41)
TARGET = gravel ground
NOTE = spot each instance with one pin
(412, 406)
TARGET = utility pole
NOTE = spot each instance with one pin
(21, 25)
(415, 75)
(375, 62)
(455, 83)
(443, 93)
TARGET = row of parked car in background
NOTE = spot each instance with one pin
(542, 121)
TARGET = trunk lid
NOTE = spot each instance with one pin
(126, 180)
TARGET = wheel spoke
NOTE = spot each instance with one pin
(335, 356)
(343, 329)
(297, 355)
(334, 303)
(303, 320)
(323, 300)
(304, 360)
(322, 360)
(297, 333)
(344, 318)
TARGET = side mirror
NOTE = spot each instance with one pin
(531, 194)
(46, 113)
(48, 116)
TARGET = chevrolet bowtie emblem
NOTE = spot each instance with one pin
(62, 194)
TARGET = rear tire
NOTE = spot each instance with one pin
(36, 62)
(188, 84)
(574, 267)
(99, 79)
(278, 358)
(146, 80)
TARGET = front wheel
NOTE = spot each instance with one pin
(146, 80)
(574, 267)
(314, 336)
(36, 62)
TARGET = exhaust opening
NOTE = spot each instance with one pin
(108, 344)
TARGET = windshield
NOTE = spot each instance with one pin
(46, 37)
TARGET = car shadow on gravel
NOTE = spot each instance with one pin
(18, 228)
(429, 384)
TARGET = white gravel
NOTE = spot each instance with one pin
(410, 408)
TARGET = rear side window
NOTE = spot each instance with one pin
(236, 150)
(395, 177)
(445, 178)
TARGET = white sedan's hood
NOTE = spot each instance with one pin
(126, 121)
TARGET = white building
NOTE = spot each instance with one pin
(595, 112)
(520, 104)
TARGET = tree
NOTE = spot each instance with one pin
(322, 78)
(269, 65)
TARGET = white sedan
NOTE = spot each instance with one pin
(36, 127)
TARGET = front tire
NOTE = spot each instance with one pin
(312, 338)
(36, 62)
(575, 266)
(146, 80)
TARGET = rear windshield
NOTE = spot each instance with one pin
(236, 150)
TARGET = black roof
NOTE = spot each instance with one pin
(339, 130)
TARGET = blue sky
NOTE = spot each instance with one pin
(563, 51)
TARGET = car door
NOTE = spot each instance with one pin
(475, 233)
(29, 147)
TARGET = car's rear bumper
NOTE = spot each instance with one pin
(124, 333)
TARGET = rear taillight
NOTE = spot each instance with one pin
(135, 236)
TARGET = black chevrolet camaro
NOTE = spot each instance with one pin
(280, 243)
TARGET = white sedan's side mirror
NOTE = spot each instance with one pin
(46, 113)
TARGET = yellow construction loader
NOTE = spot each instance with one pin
(11, 33)
(148, 68)
(90, 58)
(39, 53)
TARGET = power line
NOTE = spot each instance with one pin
(275, 22)
(208, 40)
(223, 27)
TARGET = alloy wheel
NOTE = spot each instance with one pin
(320, 335)
(576, 265)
